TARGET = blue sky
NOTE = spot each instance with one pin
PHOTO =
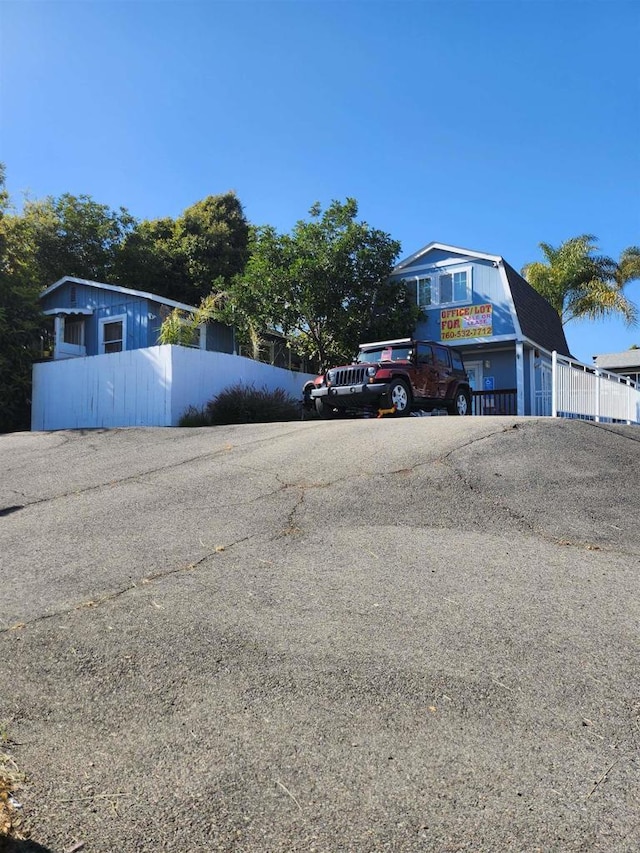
(489, 125)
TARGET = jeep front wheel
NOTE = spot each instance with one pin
(400, 397)
(323, 409)
(461, 403)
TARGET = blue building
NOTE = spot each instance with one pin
(505, 329)
(94, 318)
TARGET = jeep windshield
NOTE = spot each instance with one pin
(390, 353)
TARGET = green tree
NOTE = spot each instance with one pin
(213, 236)
(50, 238)
(325, 286)
(74, 235)
(578, 282)
(628, 268)
(20, 317)
(182, 258)
(150, 259)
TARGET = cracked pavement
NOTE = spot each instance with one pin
(396, 635)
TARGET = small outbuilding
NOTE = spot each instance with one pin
(95, 318)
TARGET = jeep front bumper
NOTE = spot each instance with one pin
(353, 396)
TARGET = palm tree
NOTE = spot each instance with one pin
(628, 266)
(580, 283)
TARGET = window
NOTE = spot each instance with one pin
(456, 359)
(460, 289)
(73, 332)
(390, 353)
(425, 354)
(443, 288)
(442, 357)
(112, 334)
(424, 292)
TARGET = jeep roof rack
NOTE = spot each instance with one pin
(387, 343)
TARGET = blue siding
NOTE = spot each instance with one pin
(435, 256)
(487, 288)
(144, 316)
(155, 316)
(104, 303)
(503, 368)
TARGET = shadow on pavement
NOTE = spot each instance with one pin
(11, 845)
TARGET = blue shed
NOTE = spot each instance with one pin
(505, 329)
(94, 318)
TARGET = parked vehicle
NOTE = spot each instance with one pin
(396, 377)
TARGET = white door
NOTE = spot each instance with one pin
(474, 369)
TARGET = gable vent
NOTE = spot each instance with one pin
(73, 299)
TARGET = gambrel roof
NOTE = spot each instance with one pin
(539, 322)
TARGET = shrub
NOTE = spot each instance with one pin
(194, 417)
(245, 404)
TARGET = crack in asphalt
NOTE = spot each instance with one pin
(445, 459)
(110, 596)
(607, 428)
(138, 476)
(519, 517)
(292, 526)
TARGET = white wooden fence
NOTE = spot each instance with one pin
(590, 393)
(143, 387)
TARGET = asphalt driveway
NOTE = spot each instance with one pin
(392, 635)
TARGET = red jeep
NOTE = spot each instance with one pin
(395, 377)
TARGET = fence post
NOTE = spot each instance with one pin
(597, 401)
(629, 400)
(554, 384)
(520, 378)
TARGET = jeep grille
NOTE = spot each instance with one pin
(350, 375)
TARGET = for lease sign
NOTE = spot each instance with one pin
(470, 321)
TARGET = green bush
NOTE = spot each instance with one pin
(245, 404)
(194, 417)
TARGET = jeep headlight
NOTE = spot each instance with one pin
(371, 371)
(331, 377)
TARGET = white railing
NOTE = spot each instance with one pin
(590, 393)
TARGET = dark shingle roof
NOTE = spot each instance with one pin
(538, 320)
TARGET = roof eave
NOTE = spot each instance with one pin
(154, 297)
(445, 247)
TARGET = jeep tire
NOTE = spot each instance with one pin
(400, 397)
(323, 409)
(461, 403)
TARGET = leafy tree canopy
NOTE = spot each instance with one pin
(20, 317)
(579, 283)
(73, 235)
(183, 258)
(325, 286)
